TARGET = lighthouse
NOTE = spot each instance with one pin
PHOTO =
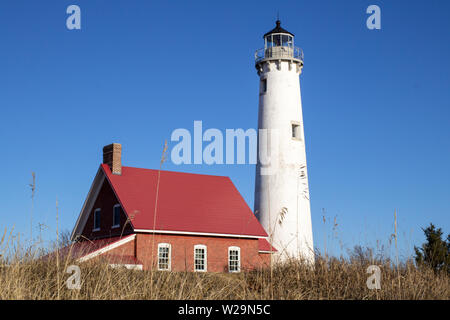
(282, 203)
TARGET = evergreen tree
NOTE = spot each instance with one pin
(435, 252)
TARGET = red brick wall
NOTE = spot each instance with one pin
(182, 255)
(106, 200)
(182, 252)
(265, 259)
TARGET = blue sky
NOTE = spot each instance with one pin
(375, 103)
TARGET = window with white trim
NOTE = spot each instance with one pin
(164, 253)
(296, 131)
(200, 258)
(234, 259)
(116, 216)
(97, 214)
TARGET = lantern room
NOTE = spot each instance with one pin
(278, 37)
(279, 45)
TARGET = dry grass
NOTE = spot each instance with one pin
(329, 279)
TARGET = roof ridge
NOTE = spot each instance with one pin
(171, 171)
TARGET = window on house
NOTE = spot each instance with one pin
(263, 85)
(116, 216)
(234, 259)
(296, 133)
(163, 256)
(200, 258)
(97, 214)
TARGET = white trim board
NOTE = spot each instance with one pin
(128, 266)
(199, 233)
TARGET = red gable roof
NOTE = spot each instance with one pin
(80, 249)
(96, 248)
(186, 202)
(264, 246)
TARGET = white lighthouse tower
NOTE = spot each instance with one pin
(281, 190)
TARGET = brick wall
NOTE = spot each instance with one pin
(182, 255)
(106, 200)
(265, 259)
(145, 249)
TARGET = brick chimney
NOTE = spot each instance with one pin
(112, 156)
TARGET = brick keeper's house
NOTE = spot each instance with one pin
(191, 222)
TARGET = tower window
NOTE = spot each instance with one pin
(263, 85)
(296, 133)
(97, 214)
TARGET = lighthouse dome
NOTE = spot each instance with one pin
(278, 29)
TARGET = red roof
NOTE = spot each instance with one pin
(96, 248)
(264, 245)
(80, 249)
(186, 202)
(121, 259)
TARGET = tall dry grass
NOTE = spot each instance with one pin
(328, 279)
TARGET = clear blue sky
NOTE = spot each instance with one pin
(376, 103)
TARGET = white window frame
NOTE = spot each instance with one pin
(201, 246)
(296, 134)
(95, 213)
(169, 262)
(114, 209)
(234, 248)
